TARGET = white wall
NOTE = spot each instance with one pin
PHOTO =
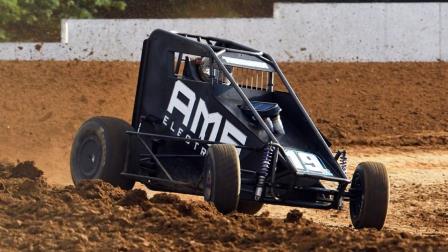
(296, 32)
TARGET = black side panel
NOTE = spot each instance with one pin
(156, 67)
(141, 77)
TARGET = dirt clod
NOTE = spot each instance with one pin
(26, 169)
(133, 197)
(97, 189)
(294, 216)
(165, 198)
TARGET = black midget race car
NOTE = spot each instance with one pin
(216, 118)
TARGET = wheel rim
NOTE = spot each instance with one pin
(356, 195)
(89, 156)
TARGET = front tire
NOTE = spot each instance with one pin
(99, 151)
(249, 207)
(369, 195)
(222, 177)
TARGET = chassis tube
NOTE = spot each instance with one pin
(155, 158)
(182, 139)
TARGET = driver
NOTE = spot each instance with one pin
(204, 64)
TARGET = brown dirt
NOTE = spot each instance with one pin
(97, 216)
(376, 103)
(395, 113)
(418, 190)
(373, 104)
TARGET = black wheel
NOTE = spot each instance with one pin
(222, 177)
(369, 195)
(249, 207)
(99, 151)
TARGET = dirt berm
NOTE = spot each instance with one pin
(96, 216)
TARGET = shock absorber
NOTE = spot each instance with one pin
(263, 171)
(341, 157)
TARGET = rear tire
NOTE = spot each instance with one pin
(249, 207)
(222, 177)
(369, 195)
(99, 151)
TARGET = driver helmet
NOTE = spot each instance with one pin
(218, 76)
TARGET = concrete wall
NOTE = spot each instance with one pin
(296, 32)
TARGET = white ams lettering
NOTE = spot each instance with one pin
(209, 118)
(230, 134)
(175, 102)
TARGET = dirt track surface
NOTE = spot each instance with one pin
(97, 216)
(418, 190)
(392, 113)
(42, 104)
